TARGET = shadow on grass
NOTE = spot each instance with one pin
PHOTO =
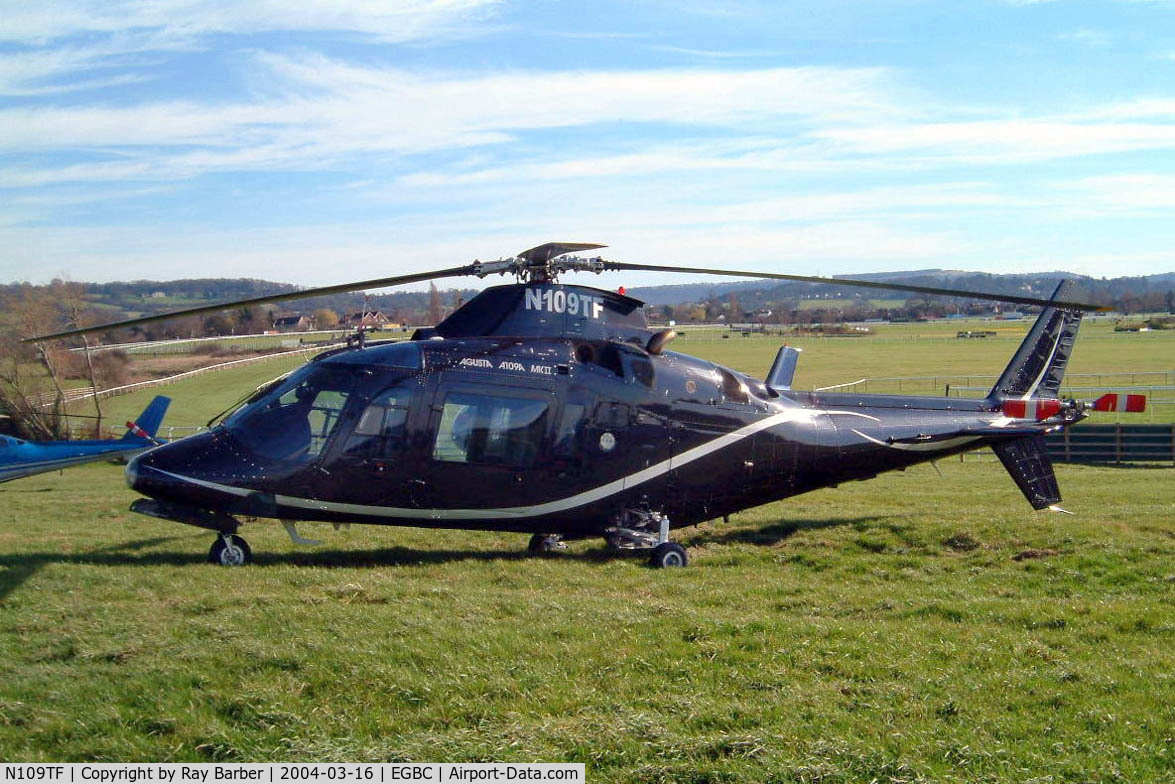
(775, 533)
(17, 568)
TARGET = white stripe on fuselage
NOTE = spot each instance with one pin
(535, 510)
(928, 446)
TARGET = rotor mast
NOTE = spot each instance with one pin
(543, 263)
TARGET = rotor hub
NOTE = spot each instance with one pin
(544, 263)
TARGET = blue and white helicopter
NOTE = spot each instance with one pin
(19, 457)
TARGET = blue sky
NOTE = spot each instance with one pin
(318, 142)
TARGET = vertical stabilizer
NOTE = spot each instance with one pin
(1039, 364)
(1028, 462)
(147, 423)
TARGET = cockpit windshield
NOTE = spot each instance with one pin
(294, 421)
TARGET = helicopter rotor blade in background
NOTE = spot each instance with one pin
(342, 288)
(871, 284)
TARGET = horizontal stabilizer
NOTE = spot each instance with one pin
(1027, 460)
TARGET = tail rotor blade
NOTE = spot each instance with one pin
(1132, 404)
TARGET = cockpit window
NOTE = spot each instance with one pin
(294, 421)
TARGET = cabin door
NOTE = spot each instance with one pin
(488, 446)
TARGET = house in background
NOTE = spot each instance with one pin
(294, 323)
(369, 319)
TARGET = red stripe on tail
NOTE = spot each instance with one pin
(1031, 409)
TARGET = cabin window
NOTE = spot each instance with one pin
(639, 368)
(569, 427)
(382, 428)
(492, 429)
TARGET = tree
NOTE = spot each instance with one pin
(252, 319)
(218, 323)
(70, 298)
(29, 390)
(736, 312)
(325, 318)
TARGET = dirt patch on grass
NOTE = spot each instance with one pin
(151, 368)
(1025, 555)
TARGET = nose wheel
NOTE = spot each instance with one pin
(230, 550)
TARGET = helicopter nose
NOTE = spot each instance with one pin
(132, 471)
(176, 471)
(151, 472)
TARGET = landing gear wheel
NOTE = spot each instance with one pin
(545, 543)
(668, 554)
(230, 550)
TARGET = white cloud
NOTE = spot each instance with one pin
(389, 20)
(316, 112)
(1004, 141)
(317, 109)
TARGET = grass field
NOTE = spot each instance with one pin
(909, 628)
(881, 631)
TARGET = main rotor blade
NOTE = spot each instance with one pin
(341, 288)
(870, 284)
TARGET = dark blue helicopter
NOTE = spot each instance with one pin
(554, 410)
(19, 457)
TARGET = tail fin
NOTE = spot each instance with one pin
(1036, 369)
(148, 422)
(783, 369)
(1027, 460)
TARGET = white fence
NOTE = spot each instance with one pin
(84, 393)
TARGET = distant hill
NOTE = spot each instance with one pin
(1152, 289)
(1150, 293)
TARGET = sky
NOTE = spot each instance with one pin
(318, 142)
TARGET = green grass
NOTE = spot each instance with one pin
(928, 349)
(880, 631)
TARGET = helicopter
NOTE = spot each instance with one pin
(555, 410)
(20, 458)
